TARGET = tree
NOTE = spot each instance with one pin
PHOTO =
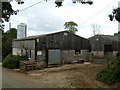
(7, 38)
(71, 27)
(117, 34)
(7, 11)
(96, 29)
(59, 2)
(115, 15)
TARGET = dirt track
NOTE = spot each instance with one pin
(66, 76)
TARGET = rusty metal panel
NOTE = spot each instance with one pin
(54, 56)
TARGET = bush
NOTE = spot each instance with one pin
(12, 61)
(112, 74)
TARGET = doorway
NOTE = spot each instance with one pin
(54, 56)
(108, 50)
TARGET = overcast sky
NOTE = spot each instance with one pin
(46, 18)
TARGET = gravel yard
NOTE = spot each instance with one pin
(65, 76)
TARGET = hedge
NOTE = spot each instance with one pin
(112, 74)
(12, 61)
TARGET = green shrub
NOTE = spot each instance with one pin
(12, 61)
(112, 74)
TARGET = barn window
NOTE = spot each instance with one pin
(77, 52)
(38, 40)
(39, 52)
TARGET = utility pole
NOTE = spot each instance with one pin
(1, 31)
(118, 35)
(0, 43)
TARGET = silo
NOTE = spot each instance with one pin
(21, 30)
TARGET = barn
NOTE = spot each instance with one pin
(102, 45)
(54, 48)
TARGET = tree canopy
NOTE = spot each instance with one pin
(7, 11)
(96, 29)
(7, 38)
(59, 2)
(115, 15)
(71, 27)
(117, 34)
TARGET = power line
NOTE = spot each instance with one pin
(30, 6)
(46, 1)
(83, 21)
(96, 13)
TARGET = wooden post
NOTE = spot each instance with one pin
(92, 55)
(107, 61)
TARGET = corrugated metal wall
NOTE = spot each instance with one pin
(29, 44)
(98, 42)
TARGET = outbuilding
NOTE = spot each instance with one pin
(104, 45)
(55, 48)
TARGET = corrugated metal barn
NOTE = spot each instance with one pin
(55, 48)
(104, 45)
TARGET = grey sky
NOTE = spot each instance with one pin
(46, 18)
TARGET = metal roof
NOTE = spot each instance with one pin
(110, 37)
(37, 36)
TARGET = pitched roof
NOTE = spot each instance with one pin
(36, 36)
(111, 37)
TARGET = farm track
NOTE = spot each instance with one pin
(65, 76)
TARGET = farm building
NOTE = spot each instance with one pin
(55, 48)
(102, 45)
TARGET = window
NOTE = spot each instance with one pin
(38, 40)
(77, 52)
(39, 52)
